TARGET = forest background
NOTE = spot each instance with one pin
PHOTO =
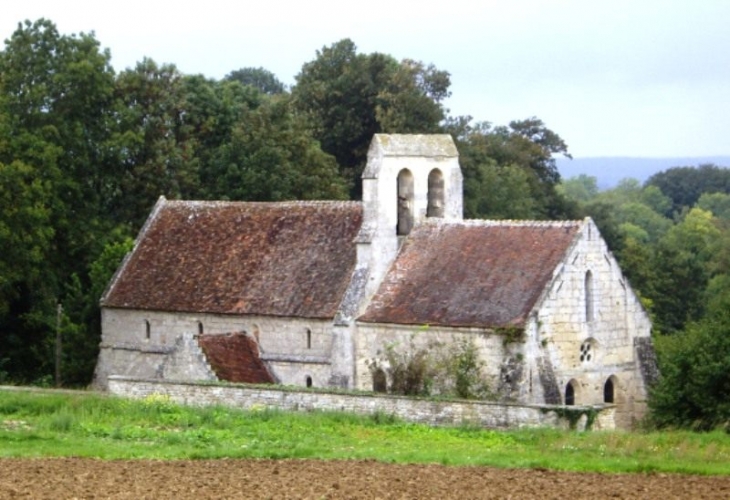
(85, 152)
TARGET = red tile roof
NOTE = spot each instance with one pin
(471, 273)
(279, 259)
(235, 358)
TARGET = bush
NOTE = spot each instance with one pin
(435, 369)
(694, 390)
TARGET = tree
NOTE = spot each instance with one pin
(685, 185)
(348, 97)
(154, 146)
(271, 156)
(717, 203)
(582, 188)
(527, 145)
(56, 95)
(259, 78)
(694, 389)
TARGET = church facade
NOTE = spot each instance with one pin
(311, 293)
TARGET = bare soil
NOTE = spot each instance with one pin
(66, 478)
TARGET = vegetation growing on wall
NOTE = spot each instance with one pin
(434, 369)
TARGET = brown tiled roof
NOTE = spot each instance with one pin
(235, 358)
(471, 273)
(279, 259)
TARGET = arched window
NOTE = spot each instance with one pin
(380, 383)
(608, 390)
(589, 296)
(570, 394)
(200, 328)
(148, 330)
(309, 338)
(435, 206)
(405, 202)
(309, 381)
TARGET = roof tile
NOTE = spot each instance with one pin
(471, 273)
(279, 259)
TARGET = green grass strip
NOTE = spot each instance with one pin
(50, 424)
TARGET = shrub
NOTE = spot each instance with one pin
(694, 389)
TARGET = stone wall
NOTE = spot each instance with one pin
(476, 413)
(146, 344)
(587, 329)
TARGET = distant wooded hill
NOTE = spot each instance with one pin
(610, 170)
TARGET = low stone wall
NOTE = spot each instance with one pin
(477, 413)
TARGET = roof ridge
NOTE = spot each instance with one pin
(505, 222)
(286, 203)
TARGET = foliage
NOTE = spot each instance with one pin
(348, 97)
(510, 172)
(272, 156)
(454, 369)
(259, 78)
(685, 185)
(694, 390)
(34, 424)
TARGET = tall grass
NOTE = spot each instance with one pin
(51, 424)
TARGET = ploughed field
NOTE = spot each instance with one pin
(140, 479)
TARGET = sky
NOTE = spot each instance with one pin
(639, 78)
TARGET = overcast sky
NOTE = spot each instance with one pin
(645, 78)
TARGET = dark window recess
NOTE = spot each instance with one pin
(608, 391)
(380, 383)
(569, 394)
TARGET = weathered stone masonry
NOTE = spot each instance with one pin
(442, 413)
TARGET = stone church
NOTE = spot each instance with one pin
(311, 292)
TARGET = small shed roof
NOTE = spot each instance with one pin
(235, 358)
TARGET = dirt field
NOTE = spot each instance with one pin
(84, 478)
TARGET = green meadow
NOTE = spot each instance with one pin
(63, 424)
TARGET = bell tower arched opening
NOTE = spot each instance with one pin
(405, 202)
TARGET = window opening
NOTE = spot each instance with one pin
(569, 394)
(309, 381)
(148, 329)
(380, 382)
(309, 338)
(405, 203)
(608, 389)
(586, 351)
(200, 328)
(435, 207)
(589, 296)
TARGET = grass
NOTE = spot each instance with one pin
(51, 424)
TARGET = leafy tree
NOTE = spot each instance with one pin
(582, 188)
(259, 78)
(717, 203)
(271, 156)
(685, 185)
(56, 96)
(154, 147)
(682, 271)
(526, 145)
(694, 390)
(348, 97)
(642, 216)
